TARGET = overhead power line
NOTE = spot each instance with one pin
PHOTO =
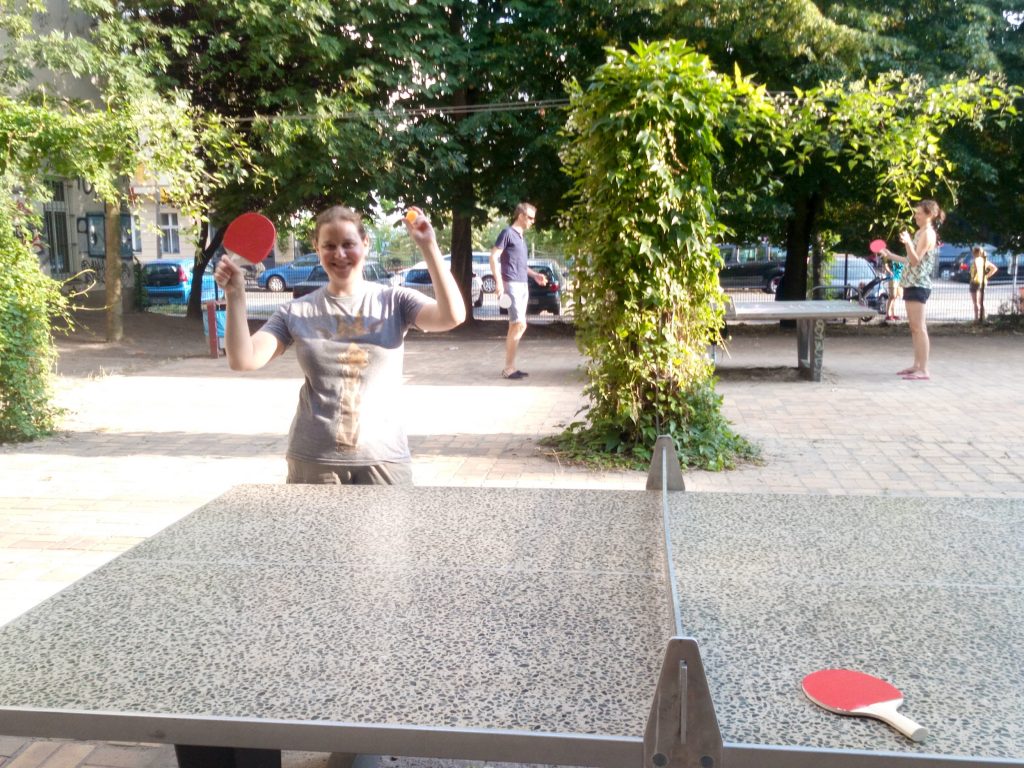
(401, 112)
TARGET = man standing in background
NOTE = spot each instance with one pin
(511, 279)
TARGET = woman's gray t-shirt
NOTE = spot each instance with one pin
(350, 348)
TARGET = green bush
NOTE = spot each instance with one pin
(29, 302)
(644, 138)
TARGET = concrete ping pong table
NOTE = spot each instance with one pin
(810, 317)
(577, 627)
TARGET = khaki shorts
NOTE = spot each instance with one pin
(520, 295)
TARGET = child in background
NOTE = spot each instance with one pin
(981, 271)
(895, 290)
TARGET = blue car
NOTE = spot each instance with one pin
(169, 281)
(281, 278)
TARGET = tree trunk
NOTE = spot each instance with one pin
(800, 231)
(115, 306)
(195, 296)
(462, 258)
(463, 205)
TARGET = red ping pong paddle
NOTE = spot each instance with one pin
(250, 236)
(876, 246)
(848, 692)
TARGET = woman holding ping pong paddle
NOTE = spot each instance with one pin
(349, 341)
(916, 280)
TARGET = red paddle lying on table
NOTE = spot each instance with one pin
(847, 692)
(250, 236)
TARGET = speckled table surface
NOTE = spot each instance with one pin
(925, 593)
(793, 310)
(529, 611)
(453, 608)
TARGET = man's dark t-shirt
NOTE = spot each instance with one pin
(513, 255)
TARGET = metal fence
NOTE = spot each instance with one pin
(950, 301)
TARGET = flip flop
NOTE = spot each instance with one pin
(514, 375)
(906, 372)
(917, 377)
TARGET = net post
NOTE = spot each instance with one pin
(665, 472)
(682, 729)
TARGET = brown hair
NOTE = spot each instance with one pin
(978, 250)
(524, 207)
(338, 213)
(932, 209)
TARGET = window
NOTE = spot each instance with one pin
(169, 237)
(417, 276)
(132, 228)
(747, 254)
(96, 230)
(55, 229)
(96, 235)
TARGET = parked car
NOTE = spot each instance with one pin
(373, 272)
(544, 298)
(1003, 260)
(949, 254)
(854, 279)
(418, 278)
(482, 269)
(752, 266)
(281, 278)
(169, 281)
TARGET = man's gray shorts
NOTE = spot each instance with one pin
(520, 294)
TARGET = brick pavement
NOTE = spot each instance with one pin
(148, 439)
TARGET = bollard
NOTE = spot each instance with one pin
(213, 321)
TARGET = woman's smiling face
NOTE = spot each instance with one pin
(341, 250)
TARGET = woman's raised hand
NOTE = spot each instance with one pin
(229, 276)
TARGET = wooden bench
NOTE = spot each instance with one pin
(810, 319)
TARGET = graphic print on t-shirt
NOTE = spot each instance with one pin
(356, 327)
(353, 362)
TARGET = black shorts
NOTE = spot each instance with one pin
(975, 288)
(916, 293)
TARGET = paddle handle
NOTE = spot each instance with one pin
(886, 712)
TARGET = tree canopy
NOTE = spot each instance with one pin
(435, 103)
(801, 44)
(45, 134)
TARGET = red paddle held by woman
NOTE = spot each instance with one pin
(877, 246)
(250, 236)
(848, 692)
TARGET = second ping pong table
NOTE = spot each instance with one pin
(574, 627)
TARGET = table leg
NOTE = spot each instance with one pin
(226, 757)
(810, 347)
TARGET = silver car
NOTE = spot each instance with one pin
(418, 278)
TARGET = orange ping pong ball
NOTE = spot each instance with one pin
(410, 216)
